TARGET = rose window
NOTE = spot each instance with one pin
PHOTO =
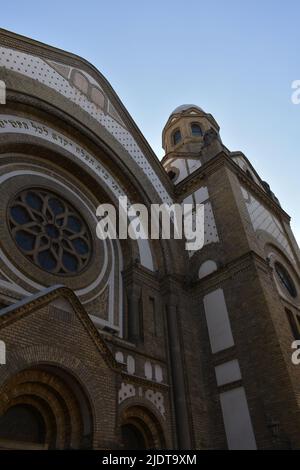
(50, 232)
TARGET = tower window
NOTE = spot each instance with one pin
(286, 280)
(196, 130)
(176, 137)
(173, 174)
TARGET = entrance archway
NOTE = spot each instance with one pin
(140, 430)
(23, 423)
(132, 438)
(44, 407)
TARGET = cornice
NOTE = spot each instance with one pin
(247, 261)
(222, 159)
(138, 273)
(189, 113)
(173, 284)
(184, 155)
(136, 380)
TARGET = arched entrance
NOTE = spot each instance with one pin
(132, 437)
(44, 408)
(140, 430)
(23, 423)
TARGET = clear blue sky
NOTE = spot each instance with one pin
(236, 59)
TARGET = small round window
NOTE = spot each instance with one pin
(50, 232)
(285, 279)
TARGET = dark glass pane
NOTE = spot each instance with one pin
(196, 130)
(172, 175)
(74, 224)
(132, 438)
(56, 206)
(47, 260)
(20, 215)
(34, 201)
(25, 240)
(80, 246)
(23, 423)
(52, 231)
(177, 137)
(70, 262)
(286, 279)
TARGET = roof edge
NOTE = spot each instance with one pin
(116, 101)
(30, 304)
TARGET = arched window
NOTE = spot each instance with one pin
(133, 438)
(286, 279)
(294, 325)
(176, 137)
(173, 173)
(23, 423)
(196, 130)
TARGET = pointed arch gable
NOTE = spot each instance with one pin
(35, 302)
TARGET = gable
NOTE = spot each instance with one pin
(55, 316)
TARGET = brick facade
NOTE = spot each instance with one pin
(149, 346)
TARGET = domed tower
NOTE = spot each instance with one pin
(243, 297)
(186, 137)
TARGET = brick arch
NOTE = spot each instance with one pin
(51, 393)
(37, 382)
(146, 423)
(38, 358)
(43, 409)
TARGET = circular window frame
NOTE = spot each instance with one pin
(23, 272)
(53, 230)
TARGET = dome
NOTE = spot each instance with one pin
(185, 107)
